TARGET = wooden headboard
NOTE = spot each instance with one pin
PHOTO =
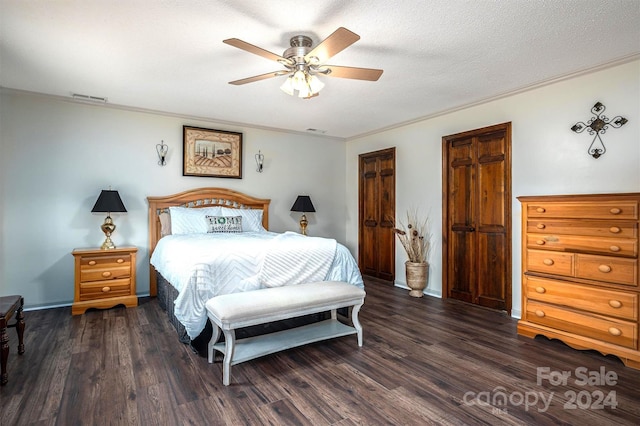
(195, 198)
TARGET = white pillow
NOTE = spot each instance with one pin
(191, 220)
(251, 218)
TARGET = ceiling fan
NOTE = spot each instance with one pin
(303, 63)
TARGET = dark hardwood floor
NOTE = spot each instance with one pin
(424, 361)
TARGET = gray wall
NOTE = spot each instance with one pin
(547, 157)
(57, 155)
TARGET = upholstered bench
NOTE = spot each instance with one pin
(232, 311)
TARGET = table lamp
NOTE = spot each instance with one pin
(108, 202)
(303, 204)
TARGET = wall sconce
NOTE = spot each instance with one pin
(598, 125)
(162, 150)
(259, 161)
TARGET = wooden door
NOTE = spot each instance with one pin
(477, 216)
(377, 210)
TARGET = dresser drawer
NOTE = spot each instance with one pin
(613, 246)
(587, 210)
(607, 269)
(618, 332)
(616, 303)
(593, 228)
(551, 262)
(105, 289)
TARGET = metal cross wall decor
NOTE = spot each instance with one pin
(598, 125)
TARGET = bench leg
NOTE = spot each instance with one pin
(213, 341)
(20, 328)
(4, 344)
(229, 348)
(356, 322)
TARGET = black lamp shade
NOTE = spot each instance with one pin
(303, 204)
(109, 201)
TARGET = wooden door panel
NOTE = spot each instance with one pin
(369, 221)
(492, 271)
(491, 200)
(461, 274)
(387, 206)
(376, 243)
(476, 216)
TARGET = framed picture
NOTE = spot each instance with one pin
(211, 153)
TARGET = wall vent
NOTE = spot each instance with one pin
(89, 98)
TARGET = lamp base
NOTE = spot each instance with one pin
(108, 244)
(108, 227)
(303, 224)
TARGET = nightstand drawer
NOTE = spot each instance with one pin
(104, 273)
(616, 303)
(550, 262)
(612, 246)
(90, 262)
(608, 269)
(618, 332)
(105, 289)
(585, 210)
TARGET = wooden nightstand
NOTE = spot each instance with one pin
(104, 278)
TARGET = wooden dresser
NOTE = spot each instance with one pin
(580, 272)
(104, 278)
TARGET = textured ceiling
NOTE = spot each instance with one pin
(437, 55)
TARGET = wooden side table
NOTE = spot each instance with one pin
(104, 278)
(8, 306)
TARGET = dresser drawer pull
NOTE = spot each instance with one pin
(540, 313)
(540, 242)
(540, 226)
(615, 331)
(615, 210)
(604, 268)
(120, 260)
(106, 289)
(615, 304)
(106, 274)
(614, 230)
(614, 248)
(548, 262)
(540, 290)
(92, 262)
(540, 210)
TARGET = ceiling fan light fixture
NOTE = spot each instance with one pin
(287, 86)
(303, 84)
(315, 84)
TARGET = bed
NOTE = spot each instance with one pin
(191, 262)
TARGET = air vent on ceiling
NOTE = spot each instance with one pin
(89, 98)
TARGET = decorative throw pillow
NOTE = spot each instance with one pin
(251, 218)
(224, 224)
(165, 224)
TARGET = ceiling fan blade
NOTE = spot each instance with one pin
(339, 40)
(258, 77)
(369, 74)
(253, 49)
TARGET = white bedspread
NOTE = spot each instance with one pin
(201, 266)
